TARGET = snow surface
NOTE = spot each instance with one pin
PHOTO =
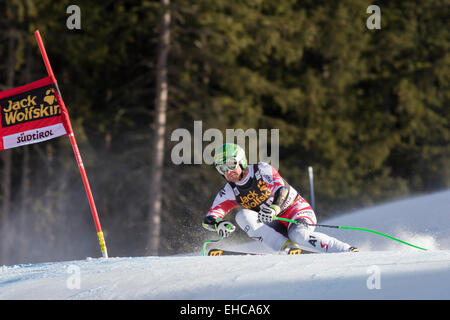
(384, 269)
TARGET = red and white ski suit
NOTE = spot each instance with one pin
(258, 189)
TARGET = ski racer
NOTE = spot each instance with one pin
(264, 195)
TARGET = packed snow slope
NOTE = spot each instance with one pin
(384, 269)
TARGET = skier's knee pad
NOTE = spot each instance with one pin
(299, 232)
(247, 220)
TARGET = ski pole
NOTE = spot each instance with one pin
(209, 241)
(352, 228)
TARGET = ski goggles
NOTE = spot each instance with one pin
(229, 165)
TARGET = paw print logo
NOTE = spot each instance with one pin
(261, 185)
(49, 96)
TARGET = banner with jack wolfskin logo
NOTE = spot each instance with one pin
(30, 114)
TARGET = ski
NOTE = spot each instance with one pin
(220, 252)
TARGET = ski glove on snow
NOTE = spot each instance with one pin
(266, 214)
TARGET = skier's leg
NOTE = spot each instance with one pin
(247, 220)
(305, 236)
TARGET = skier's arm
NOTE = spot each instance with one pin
(222, 227)
(276, 184)
(280, 196)
(224, 202)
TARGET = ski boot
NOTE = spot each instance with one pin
(353, 249)
(290, 248)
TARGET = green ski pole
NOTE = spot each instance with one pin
(353, 228)
(206, 243)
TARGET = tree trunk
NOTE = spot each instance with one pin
(25, 183)
(157, 157)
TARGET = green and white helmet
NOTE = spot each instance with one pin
(227, 152)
